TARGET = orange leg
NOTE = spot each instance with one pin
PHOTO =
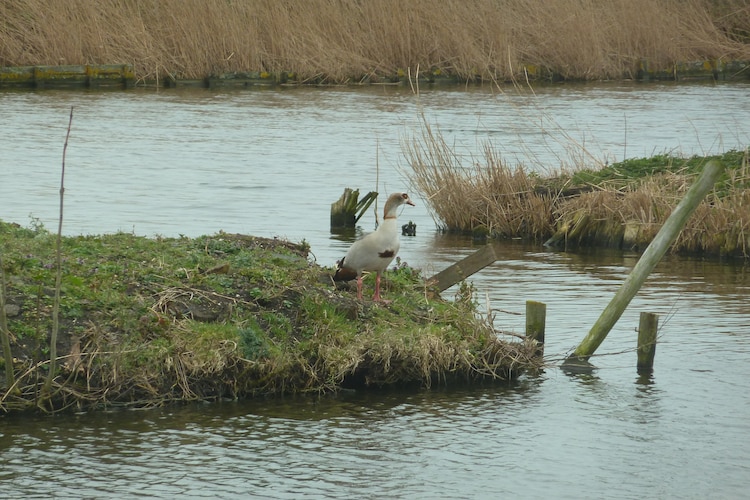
(359, 287)
(376, 297)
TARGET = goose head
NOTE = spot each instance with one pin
(394, 201)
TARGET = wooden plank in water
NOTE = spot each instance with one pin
(464, 268)
(68, 76)
(110, 75)
(17, 75)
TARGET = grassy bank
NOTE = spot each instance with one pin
(349, 40)
(622, 205)
(147, 321)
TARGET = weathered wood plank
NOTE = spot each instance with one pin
(64, 76)
(464, 268)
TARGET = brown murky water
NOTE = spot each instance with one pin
(270, 163)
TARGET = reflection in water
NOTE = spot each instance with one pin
(271, 163)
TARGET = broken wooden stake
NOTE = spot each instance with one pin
(536, 319)
(409, 229)
(653, 254)
(647, 329)
(347, 210)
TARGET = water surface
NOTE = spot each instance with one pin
(269, 163)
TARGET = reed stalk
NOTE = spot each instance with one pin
(487, 198)
(348, 40)
(621, 205)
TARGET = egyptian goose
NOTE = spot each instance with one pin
(374, 251)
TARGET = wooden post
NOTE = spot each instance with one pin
(409, 229)
(647, 342)
(344, 210)
(653, 254)
(342, 213)
(536, 319)
(464, 268)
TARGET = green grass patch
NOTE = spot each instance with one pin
(630, 172)
(148, 321)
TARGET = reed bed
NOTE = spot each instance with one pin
(348, 40)
(620, 206)
(487, 198)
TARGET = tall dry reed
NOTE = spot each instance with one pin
(338, 40)
(721, 224)
(488, 198)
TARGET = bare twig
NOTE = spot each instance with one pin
(58, 277)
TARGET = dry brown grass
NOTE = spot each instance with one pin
(487, 198)
(341, 40)
(721, 225)
(490, 198)
(631, 217)
(604, 216)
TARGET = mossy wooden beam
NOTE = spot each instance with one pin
(66, 76)
(650, 258)
(464, 268)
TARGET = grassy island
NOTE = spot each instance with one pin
(147, 321)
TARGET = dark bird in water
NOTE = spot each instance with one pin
(374, 251)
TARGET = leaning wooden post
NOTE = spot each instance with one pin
(653, 254)
(647, 329)
(464, 268)
(536, 319)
